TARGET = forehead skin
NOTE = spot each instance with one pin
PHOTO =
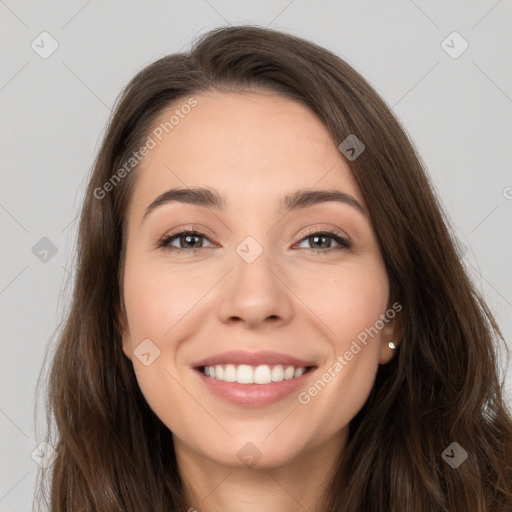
(255, 146)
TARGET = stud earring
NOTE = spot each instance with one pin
(391, 345)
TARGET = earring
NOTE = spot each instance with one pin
(391, 345)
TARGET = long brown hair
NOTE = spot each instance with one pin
(113, 453)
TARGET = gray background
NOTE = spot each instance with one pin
(54, 111)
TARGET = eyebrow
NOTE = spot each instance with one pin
(210, 198)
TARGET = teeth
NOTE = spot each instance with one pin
(246, 374)
(289, 372)
(229, 373)
(262, 374)
(277, 373)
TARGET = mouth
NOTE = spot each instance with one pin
(253, 379)
(249, 374)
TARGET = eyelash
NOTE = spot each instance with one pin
(344, 242)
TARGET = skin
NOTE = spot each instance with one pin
(254, 148)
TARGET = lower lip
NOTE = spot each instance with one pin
(254, 395)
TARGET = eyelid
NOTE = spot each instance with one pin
(196, 228)
(330, 230)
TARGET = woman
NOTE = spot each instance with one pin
(269, 311)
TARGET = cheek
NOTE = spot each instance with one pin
(158, 303)
(347, 299)
(360, 302)
(158, 298)
(350, 303)
(358, 297)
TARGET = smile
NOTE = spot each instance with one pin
(246, 374)
(253, 379)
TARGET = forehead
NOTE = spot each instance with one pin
(252, 146)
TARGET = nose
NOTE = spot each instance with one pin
(255, 294)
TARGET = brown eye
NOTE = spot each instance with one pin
(322, 241)
(187, 240)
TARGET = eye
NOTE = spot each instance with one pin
(323, 241)
(188, 241)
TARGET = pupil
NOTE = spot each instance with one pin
(189, 237)
(317, 237)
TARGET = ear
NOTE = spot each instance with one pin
(124, 331)
(391, 332)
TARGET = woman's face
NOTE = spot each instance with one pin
(265, 282)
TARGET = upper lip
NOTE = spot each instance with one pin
(237, 357)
